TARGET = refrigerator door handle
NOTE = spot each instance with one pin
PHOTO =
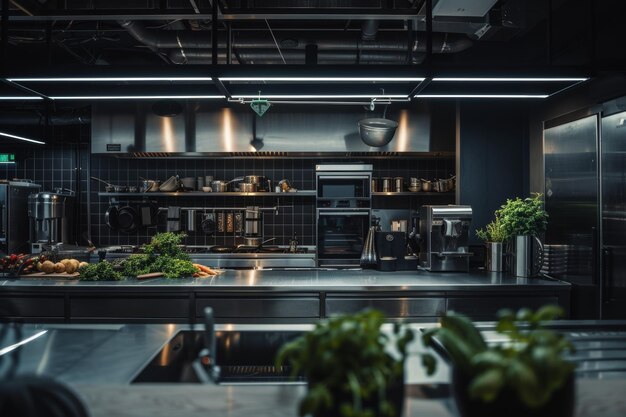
(607, 279)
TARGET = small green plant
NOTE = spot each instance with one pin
(493, 232)
(523, 216)
(348, 365)
(531, 364)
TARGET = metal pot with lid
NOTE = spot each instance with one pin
(50, 216)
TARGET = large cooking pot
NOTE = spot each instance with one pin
(377, 132)
(219, 186)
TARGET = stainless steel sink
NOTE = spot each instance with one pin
(244, 357)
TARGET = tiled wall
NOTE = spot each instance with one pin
(56, 165)
(298, 215)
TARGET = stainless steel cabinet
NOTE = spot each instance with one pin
(392, 307)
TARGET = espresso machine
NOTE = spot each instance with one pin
(51, 219)
(444, 233)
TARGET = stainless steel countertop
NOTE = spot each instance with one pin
(99, 361)
(320, 280)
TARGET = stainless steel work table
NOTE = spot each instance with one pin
(272, 296)
(100, 361)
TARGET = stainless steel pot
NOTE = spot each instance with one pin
(525, 255)
(377, 132)
(246, 187)
(426, 185)
(219, 186)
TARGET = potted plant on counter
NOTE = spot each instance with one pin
(350, 369)
(523, 221)
(527, 376)
(494, 235)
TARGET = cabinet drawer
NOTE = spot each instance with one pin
(487, 307)
(130, 307)
(259, 308)
(392, 307)
(32, 307)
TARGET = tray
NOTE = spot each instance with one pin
(43, 275)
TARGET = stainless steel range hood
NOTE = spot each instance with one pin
(134, 130)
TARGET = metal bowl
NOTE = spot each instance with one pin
(377, 132)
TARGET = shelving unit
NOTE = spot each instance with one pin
(409, 193)
(302, 193)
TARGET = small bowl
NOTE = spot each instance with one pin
(207, 189)
(415, 189)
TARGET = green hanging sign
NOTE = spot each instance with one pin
(260, 106)
(7, 158)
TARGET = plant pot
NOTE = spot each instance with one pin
(508, 404)
(493, 257)
(525, 255)
(394, 393)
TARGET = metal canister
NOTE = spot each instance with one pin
(398, 184)
(386, 184)
(374, 184)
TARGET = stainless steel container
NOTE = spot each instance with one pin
(219, 186)
(253, 224)
(374, 184)
(525, 256)
(493, 256)
(398, 184)
(191, 220)
(386, 184)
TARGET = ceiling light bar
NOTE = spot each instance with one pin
(134, 97)
(108, 79)
(326, 79)
(481, 96)
(367, 96)
(8, 135)
(511, 79)
(20, 98)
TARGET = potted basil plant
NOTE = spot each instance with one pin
(494, 235)
(523, 221)
(527, 376)
(350, 369)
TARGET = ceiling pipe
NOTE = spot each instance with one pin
(271, 56)
(37, 118)
(369, 29)
(175, 39)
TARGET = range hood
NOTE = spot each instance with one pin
(200, 129)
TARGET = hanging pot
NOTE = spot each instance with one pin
(128, 219)
(110, 217)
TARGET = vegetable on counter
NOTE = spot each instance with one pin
(102, 271)
(162, 254)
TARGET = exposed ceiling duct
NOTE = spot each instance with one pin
(252, 47)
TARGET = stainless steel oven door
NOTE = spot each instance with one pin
(343, 186)
(340, 236)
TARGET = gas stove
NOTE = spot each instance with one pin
(250, 258)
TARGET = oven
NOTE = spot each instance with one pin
(343, 213)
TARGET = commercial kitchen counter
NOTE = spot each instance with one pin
(101, 361)
(299, 296)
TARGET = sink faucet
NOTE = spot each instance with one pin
(206, 364)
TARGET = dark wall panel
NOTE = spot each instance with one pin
(493, 157)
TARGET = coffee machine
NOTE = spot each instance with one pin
(444, 232)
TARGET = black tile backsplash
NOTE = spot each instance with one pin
(296, 213)
(57, 166)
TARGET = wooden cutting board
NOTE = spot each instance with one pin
(54, 275)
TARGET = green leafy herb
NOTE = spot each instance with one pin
(102, 271)
(523, 217)
(531, 364)
(347, 363)
(162, 254)
(493, 232)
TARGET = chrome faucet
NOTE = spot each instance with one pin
(206, 364)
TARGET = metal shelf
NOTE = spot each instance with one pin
(407, 193)
(303, 193)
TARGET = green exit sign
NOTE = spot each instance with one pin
(7, 158)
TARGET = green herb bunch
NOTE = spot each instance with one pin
(493, 232)
(102, 271)
(347, 364)
(523, 217)
(162, 254)
(531, 364)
